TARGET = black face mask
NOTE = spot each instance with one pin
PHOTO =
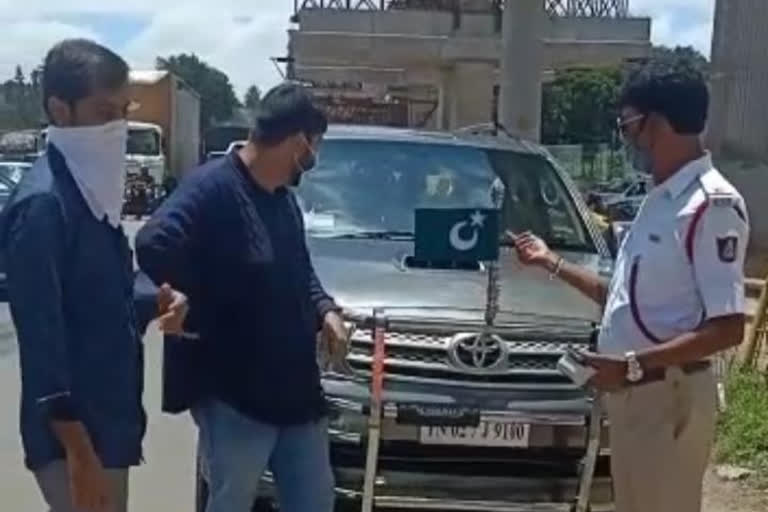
(304, 164)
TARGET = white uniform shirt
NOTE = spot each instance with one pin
(681, 262)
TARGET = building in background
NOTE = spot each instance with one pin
(738, 128)
(436, 63)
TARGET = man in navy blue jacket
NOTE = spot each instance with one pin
(71, 290)
(232, 238)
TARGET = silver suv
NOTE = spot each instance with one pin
(468, 422)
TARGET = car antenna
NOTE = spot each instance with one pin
(500, 126)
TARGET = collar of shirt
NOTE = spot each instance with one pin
(678, 182)
(245, 173)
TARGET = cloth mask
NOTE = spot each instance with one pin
(95, 156)
(640, 159)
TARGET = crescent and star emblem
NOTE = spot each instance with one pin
(475, 223)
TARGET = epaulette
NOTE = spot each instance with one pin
(723, 199)
(717, 191)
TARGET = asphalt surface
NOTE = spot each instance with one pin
(165, 483)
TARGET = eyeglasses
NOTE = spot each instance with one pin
(622, 124)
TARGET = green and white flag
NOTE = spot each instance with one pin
(457, 235)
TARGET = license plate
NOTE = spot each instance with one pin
(488, 433)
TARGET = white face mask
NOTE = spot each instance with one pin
(95, 156)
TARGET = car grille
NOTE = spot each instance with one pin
(420, 356)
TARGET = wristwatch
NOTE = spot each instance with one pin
(634, 369)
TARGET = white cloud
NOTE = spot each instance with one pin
(25, 42)
(238, 41)
(679, 22)
(237, 36)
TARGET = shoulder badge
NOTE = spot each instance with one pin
(728, 248)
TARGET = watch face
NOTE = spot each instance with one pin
(634, 370)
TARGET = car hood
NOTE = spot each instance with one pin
(366, 274)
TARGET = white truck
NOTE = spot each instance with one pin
(145, 149)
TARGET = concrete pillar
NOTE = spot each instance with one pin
(466, 95)
(521, 68)
(445, 100)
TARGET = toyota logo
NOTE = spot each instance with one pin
(479, 352)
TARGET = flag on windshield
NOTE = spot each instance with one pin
(457, 235)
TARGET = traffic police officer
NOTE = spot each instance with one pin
(676, 297)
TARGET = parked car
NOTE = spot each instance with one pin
(526, 430)
(634, 190)
(233, 146)
(10, 176)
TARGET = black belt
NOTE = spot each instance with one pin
(660, 374)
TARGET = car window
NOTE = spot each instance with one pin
(143, 141)
(376, 186)
(537, 200)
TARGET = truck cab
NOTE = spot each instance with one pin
(145, 149)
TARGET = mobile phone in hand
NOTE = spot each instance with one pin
(573, 365)
(576, 355)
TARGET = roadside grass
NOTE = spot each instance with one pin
(743, 426)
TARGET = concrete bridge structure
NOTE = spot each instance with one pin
(459, 54)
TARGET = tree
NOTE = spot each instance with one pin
(252, 97)
(680, 56)
(579, 106)
(21, 101)
(19, 77)
(218, 99)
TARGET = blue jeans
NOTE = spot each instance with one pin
(235, 451)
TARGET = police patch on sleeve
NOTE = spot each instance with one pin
(728, 248)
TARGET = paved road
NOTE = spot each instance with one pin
(164, 484)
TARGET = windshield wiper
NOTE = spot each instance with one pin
(561, 244)
(373, 235)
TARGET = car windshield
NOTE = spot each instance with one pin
(371, 188)
(143, 142)
(13, 171)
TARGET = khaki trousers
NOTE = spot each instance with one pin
(661, 436)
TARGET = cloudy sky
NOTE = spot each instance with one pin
(237, 36)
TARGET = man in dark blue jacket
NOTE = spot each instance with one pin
(71, 290)
(232, 238)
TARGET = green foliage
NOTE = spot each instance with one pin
(579, 106)
(743, 427)
(218, 99)
(21, 101)
(252, 97)
(681, 56)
